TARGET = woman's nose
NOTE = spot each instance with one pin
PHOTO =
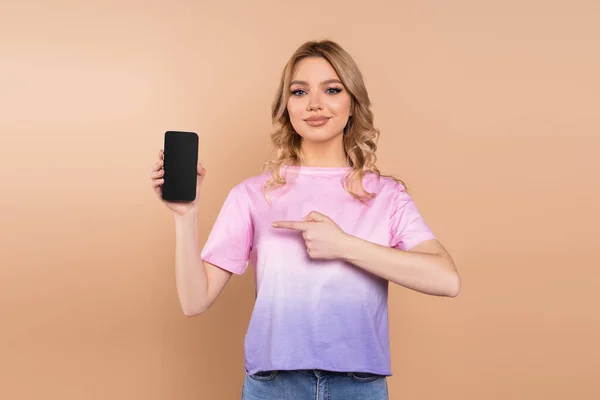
(314, 103)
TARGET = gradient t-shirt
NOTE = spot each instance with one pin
(313, 314)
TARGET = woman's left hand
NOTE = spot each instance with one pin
(324, 238)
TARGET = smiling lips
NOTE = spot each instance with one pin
(317, 120)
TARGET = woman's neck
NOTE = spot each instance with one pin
(323, 154)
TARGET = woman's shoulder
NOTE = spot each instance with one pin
(253, 183)
(383, 183)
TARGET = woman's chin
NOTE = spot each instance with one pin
(320, 136)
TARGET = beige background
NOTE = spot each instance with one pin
(490, 112)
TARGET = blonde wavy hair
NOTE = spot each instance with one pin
(360, 135)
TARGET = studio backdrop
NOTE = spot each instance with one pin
(489, 111)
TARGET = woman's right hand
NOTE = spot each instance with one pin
(157, 182)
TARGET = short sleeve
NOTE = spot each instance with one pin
(407, 226)
(230, 241)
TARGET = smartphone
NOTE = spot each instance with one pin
(180, 166)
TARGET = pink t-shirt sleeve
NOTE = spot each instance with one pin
(230, 240)
(407, 228)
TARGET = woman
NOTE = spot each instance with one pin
(325, 232)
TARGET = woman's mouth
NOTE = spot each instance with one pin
(317, 120)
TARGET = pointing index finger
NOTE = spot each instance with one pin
(295, 225)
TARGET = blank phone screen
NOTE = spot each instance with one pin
(180, 165)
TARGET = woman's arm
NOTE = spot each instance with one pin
(199, 283)
(426, 268)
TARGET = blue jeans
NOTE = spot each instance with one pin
(314, 385)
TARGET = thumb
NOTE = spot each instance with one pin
(317, 217)
(201, 170)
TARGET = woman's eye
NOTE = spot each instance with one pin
(299, 92)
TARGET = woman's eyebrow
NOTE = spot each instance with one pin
(328, 81)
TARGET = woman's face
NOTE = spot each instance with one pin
(319, 105)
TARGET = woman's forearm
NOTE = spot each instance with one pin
(190, 274)
(426, 272)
